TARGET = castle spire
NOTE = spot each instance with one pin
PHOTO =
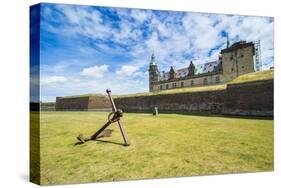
(227, 42)
(153, 61)
(154, 73)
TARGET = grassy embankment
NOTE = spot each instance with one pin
(255, 76)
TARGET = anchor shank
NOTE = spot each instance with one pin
(94, 137)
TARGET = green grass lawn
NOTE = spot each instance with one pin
(168, 145)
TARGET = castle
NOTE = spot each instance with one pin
(233, 61)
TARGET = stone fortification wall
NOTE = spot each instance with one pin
(72, 104)
(88, 103)
(99, 103)
(199, 102)
(251, 99)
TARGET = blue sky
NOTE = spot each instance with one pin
(86, 49)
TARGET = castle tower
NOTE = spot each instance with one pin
(237, 59)
(153, 73)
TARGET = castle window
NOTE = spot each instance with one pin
(174, 85)
(232, 69)
(192, 83)
(242, 67)
(217, 79)
(231, 57)
(205, 81)
(241, 55)
(161, 87)
(167, 86)
(182, 84)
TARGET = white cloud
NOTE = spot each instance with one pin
(53, 80)
(141, 15)
(127, 70)
(95, 71)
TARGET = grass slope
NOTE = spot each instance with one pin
(164, 146)
(84, 95)
(177, 90)
(254, 76)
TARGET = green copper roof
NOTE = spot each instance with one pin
(153, 61)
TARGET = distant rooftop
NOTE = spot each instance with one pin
(208, 67)
(236, 45)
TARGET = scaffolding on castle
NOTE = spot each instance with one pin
(258, 62)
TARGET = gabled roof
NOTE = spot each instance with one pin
(208, 67)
